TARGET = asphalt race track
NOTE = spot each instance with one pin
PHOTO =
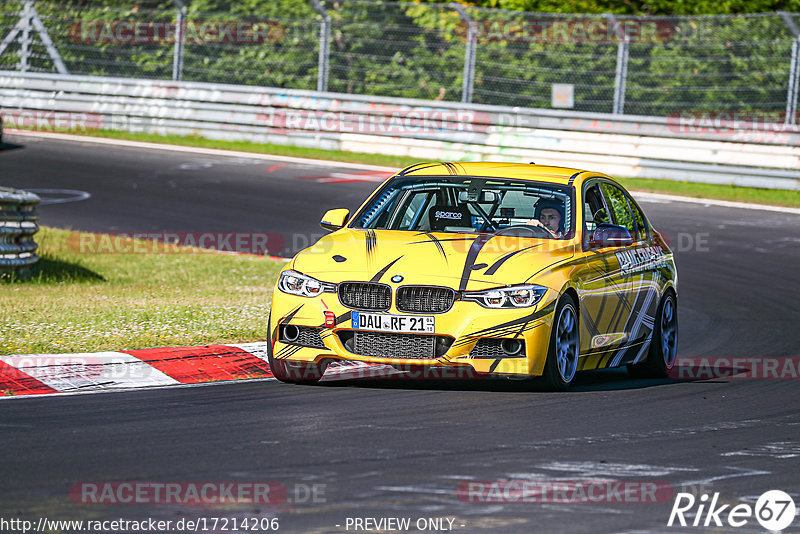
(382, 448)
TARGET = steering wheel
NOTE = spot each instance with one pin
(534, 231)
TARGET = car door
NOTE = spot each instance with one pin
(605, 299)
(638, 274)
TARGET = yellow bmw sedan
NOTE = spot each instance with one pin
(490, 269)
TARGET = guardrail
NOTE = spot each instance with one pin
(680, 148)
(599, 63)
(17, 227)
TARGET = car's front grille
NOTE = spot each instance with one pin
(387, 345)
(425, 299)
(391, 345)
(305, 336)
(488, 347)
(365, 295)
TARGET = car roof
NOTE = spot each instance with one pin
(519, 171)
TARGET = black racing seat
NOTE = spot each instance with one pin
(442, 215)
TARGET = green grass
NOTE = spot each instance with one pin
(84, 302)
(775, 197)
(260, 148)
(698, 190)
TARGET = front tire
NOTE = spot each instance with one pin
(664, 346)
(292, 372)
(564, 350)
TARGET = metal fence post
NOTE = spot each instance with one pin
(180, 32)
(29, 20)
(52, 51)
(621, 77)
(469, 53)
(324, 47)
(794, 81)
(794, 71)
(25, 39)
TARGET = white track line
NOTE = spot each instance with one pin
(200, 150)
(309, 161)
(659, 197)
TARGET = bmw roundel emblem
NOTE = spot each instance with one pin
(397, 278)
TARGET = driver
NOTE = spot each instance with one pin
(549, 214)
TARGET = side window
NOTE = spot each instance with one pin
(413, 210)
(620, 208)
(379, 213)
(594, 210)
(638, 218)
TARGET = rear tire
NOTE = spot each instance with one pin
(664, 345)
(564, 349)
(292, 372)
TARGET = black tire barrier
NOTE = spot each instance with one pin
(18, 224)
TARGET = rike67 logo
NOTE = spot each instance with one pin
(774, 510)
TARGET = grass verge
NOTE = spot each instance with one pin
(259, 148)
(87, 302)
(774, 197)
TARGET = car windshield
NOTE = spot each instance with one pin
(471, 204)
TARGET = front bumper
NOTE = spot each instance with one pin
(458, 330)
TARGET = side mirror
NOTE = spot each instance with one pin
(334, 219)
(610, 235)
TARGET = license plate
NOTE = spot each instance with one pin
(384, 322)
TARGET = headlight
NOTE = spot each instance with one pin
(507, 297)
(301, 285)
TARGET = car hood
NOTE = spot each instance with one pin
(459, 261)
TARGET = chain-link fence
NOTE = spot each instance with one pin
(87, 38)
(275, 46)
(597, 63)
(717, 63)
(392, 49)
(520, 56)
